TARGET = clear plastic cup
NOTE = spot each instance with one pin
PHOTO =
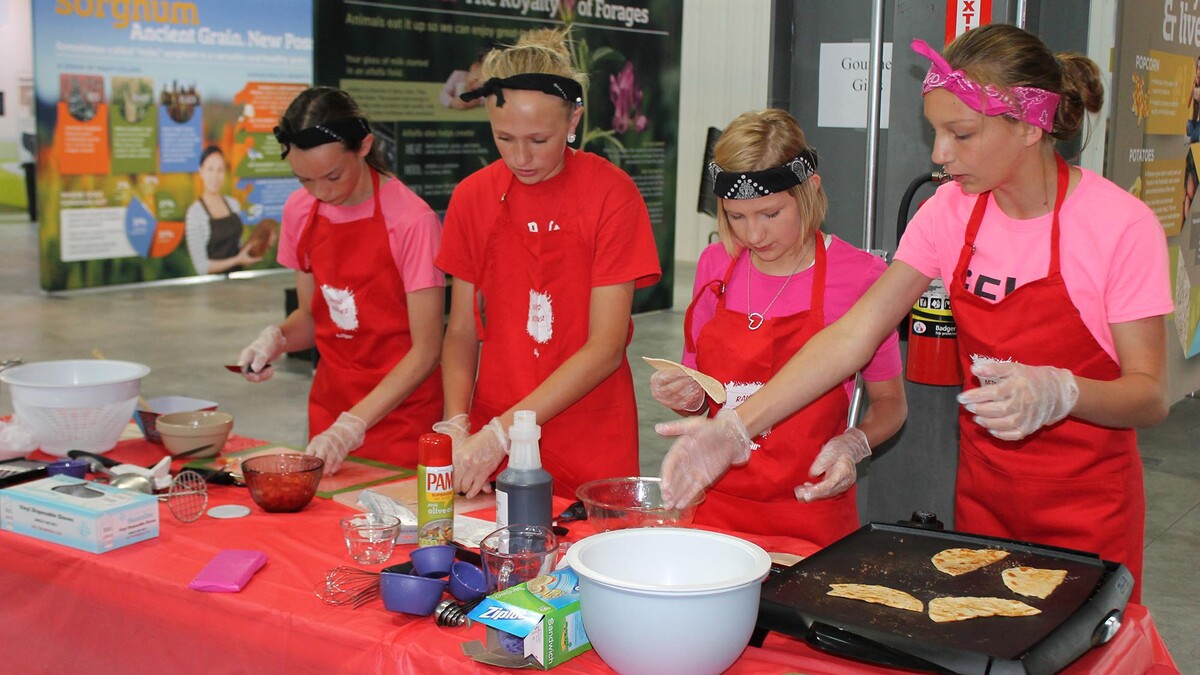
(515, 554)
(370, 537)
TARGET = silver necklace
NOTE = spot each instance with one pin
(756, 318)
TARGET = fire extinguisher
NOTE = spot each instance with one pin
(933, 339)
(932, 333)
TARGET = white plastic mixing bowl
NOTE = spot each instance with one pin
(668, 600)
(75, 405)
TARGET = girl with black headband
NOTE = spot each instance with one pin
(772, 283)
(546, 246)
(1059, 283)
(370, 298)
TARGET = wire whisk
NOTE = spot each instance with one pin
(348, 586)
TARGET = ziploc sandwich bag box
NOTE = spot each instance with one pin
(81, 514)
(541, 614)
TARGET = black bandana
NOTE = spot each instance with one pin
(754, 184)
(555, 85)
(348, 130)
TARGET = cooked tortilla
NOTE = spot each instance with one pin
(1033, 581)
(881, 595)
(711, 385)
(956, 561)
(942, 610)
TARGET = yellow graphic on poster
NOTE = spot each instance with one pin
(1172, 88)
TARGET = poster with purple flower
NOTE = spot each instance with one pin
(406, 63)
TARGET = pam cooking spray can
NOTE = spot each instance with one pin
(435, 490)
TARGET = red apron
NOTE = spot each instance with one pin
(364, 334)
(1072, 484)
(759, 497)
(535, 287)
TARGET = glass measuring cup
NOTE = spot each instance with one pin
(517, 553)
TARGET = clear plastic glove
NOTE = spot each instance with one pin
(457, 428)
(16, 439)
(1021, 400)
(704, 450)
(836, 460)
(477, 457)
(267, 347)
(676, 390)
(342, 437)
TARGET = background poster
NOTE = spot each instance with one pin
(1155, 139)
(405, 63)
(129, 95)
(16, 104)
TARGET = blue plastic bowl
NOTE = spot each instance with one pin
(432, 561)
(409, 593)
(467, 582)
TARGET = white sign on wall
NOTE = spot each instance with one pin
(843, 85)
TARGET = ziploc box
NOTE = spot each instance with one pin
(71, 511)
(542, 620)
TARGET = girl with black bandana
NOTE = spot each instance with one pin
(546, 246)
(370, 299)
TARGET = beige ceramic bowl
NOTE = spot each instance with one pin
(185, 431)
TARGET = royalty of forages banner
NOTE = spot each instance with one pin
(405, 62)
(155, 153)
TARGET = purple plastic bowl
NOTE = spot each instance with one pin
(467, 582)
(409, 593)
(432, 561)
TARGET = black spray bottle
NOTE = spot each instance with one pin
(524, 489)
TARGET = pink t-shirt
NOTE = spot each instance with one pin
(414, 231)
(848, 273)
(1112, 247)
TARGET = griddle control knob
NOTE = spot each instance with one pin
(924, 519)
(1107, 628)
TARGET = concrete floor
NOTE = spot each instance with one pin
(186, 332)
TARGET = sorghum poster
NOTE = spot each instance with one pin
(131, 97)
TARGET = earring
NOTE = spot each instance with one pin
(570, 138)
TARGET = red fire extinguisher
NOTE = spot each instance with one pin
(933, 339)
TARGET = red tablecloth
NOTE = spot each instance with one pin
(129, 610)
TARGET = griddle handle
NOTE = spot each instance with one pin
(850, 645)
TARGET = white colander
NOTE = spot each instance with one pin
(75, 405)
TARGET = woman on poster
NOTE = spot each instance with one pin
(213, 223)
(371, 301)
(546, 246)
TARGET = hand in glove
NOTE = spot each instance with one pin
(1021, 398)
(676, 390)
(340, 439)
(476, 458)
(704, 450)
(836, 460)
(457, 428)
(267, 347)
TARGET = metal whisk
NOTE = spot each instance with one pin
(348, 586)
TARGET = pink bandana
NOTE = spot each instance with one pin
(1032, 105)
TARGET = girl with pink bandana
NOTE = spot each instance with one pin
(1059, 284)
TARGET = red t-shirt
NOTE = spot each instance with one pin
(613, 218)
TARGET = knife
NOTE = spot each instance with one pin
(107, 462)
(234, 368)
(189, 453)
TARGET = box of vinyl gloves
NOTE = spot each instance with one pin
(534, 624)
(73, 512)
